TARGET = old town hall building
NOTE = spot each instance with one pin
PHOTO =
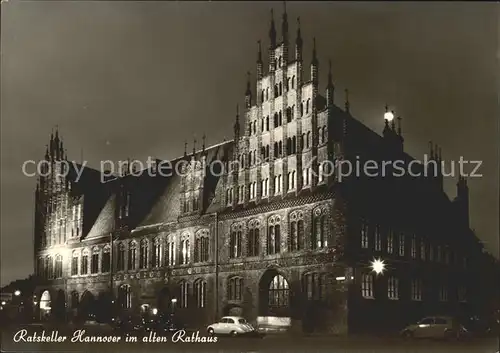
(269, 232)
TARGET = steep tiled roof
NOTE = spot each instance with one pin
(105, 221)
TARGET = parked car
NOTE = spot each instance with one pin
(435, 327)
(233, 326)
(129, 325)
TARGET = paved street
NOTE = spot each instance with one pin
(270, 343)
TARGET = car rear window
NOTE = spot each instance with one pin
(242, 321)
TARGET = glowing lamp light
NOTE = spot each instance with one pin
(174, 300)
(3, 303)
(155, 311)
(378, 266)
(17, 293)
(389, 116)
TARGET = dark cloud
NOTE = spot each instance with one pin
(132, 79)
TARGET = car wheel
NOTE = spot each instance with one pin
(211, 331)
(233, 333)
(408, 334)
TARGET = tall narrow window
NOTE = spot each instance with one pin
(393, 288)
(253, 242)
(422, 249)
(183, 294)
(94, 264)
(200, 288)
(416, 290)
(106, 259)
(235, 289)
(378, 240)
(414, 247)
(367, 286)
(120, 260)
(235, 244)
(170, 253)
(319, 233)
(74, 263)
(156, 253)
(132, 254)
(185, 252)
(390, 241)
(364, 234)
(85, 262)
(401, 244)
(58, 266)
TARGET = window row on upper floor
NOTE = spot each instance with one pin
(377, 238)
(278, 89)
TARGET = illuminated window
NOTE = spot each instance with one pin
(273, 239)
(393, 288)
(319, 234)
(125, 296)
(279, 292)
(367, 286)
(378, 241)
(58, 272)
(390, 242)
(414, 247)
(170, 253)
(422, 249)
(364, 234)
(401, 244)
(156, 253)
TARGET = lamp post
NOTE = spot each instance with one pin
(378, 266)
(174, 302)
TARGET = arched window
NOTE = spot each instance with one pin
(273, 237)
(201, 247)
(308, 139)
(74, 263)
(276, 150)
(267, 123)
(185, 252)
(288, 84)
(143, 254)
(106, 259)
(267, 93)
(200, 289)
(316, 286)
(276, 121)
(235, 288)
(253, 239)
(288, 146)
(319, 234)
(301, 109)
(120, 257)
(235, 242)
(183, 294)
(85, 262)
(280, 148)
(132, 254)
(58, 266)
(296, 231)
(170, 251)
(276, 91)
(294, 144)
(280, 118)
(281, 89)
(293, 81)
(156, 253)
(262, 96)
(279, 292)
(94, 263)
(125, 296)
(307, 105)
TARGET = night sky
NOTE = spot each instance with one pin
(135, 79)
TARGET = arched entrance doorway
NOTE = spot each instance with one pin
(164, 301)
(59, 306)
(45, 305)
(87, 306)
(274, 300)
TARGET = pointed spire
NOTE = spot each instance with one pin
(314, 57)
(203, 139)
(347, 104)
(259, 52)
(299, 34)
(47, 156)
(185, 147)
(399, 125)
(237, 123)
(330, 88)
(272, 31)
(248, 91)
(284, 25)
(194, 146)
(393, 124)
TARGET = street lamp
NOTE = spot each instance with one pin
(17, 293)
(378, 266)
(3, 303)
